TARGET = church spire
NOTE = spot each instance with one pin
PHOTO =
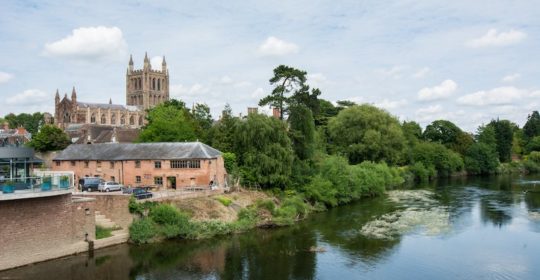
(146, 61)
(164, 65)
(74, 95)
(57, 97)
(130, 64)
(110, 100)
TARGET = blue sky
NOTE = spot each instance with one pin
(466, 61)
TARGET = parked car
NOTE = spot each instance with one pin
(90, 184)
(109, 186)
(140, 193)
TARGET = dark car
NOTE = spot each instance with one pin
(90, 184)
(139, 193)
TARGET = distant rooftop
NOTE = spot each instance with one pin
(141, 151)
(107, 106)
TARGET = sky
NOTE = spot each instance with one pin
(465, 61)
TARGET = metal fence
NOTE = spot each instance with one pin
(35, 184)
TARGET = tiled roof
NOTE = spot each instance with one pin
(141, 151)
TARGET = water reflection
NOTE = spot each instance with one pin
(486, 222)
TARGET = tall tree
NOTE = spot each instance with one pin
(49, 138)
(504, 135)
(290, 89)
(169, 122)
(366, 132)
(532, 126)
(203, 118)
(222, 133)
(302, 131)
(264, 151)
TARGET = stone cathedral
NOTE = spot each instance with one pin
(145, 88)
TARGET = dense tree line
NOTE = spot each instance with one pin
(333, 153)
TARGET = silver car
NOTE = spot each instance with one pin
(109, 186)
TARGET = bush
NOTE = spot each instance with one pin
(321, 190)
(267, 204)
(444, 160)
(102, 232)
(224, 200)
(420, 172)
(481, 159)
(531, 166)
(534, 157)
(142, 230)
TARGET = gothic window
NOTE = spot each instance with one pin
(123, 120)
(140, 83)
(154, 83)
(131, 120)
(93, 118)
(159, 84)
(140, 120)
(66, 117)
(103, 119)
(113, 118)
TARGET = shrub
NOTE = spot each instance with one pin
(102, 232)
(267, 204)
(321, 190)
(444, 160)
(534, 157)
(531, 166)
(420, 172)
(142, 230)
(224, 200)
(481, 159)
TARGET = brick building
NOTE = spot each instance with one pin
(170, 165)
(13, 137)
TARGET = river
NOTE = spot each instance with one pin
(476, 228)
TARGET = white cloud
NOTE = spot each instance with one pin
(156, 62)
(429, 113)
(389, 104)
(226, 80)
(395, 72)
(493, 38)
(5, 77)
(29, 97)
(511, 78)
(90, 43)
(497, 96)
(444, 90)
(421, 73)
(316, 79)
(181, 91)
(258, 93)
(273, 46)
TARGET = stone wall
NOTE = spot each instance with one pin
(113, 206)
(38, 229)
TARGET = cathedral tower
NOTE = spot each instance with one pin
(147, 87)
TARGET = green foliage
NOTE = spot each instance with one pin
(302, 131)
(31, 122)
(164, 214)
(531, 166)
(140, 208)
(291, 209)
(102, 232)
(481, 159)
(230, 162)
(326, 111)
(203, 119)
(49, 138)
(264, 152)
(531, 128)
(339, 183)
(169, 122)
(444, 160)
(534, 144)
(367, 133)
(448, 134)
(142, 230)
(534, 157)
(421, 172)
(290, 90)
(504, 135)
(224, 200)
(222, 134)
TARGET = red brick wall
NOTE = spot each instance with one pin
(34, 229)
(125, 172)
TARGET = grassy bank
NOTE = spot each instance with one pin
(337, 183)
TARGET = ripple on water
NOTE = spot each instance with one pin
(422, 214)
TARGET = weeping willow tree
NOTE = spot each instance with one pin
(264, 151)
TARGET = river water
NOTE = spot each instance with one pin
(479, 228)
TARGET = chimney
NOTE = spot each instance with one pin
(276, 113)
